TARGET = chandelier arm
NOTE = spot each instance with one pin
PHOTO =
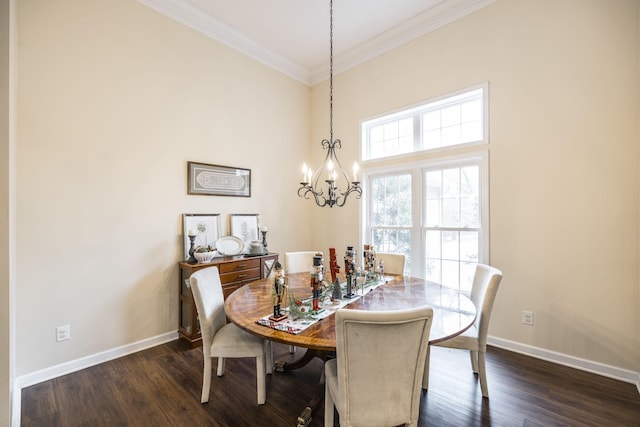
(327, 145)
(304, 191)
(338, 144)
(320, 200)
(340, 201)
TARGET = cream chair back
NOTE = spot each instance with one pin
(483, 294)
(393, 263)
(207, 291)
(376, 376)
(299, 262)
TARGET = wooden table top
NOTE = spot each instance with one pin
(453, 313)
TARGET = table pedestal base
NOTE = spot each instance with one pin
(303, 361)
(307, 414)
(304, 419)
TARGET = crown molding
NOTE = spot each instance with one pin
(206, 24)
(441, 14)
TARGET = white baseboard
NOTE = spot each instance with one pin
(609, 371)
(78, 364)
(16, 407)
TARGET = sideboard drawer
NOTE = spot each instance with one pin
(246, 264)
(240, 276)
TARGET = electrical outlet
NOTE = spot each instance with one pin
(527, 317)
(63, 333)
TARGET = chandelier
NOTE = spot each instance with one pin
(337, 183)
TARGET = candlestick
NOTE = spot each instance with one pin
(192, 249)
(264, 238)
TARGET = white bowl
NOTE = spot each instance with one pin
(204, 257)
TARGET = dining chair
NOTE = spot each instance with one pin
(393, 263)
(299, 262)
(225, 340)
(380, 357)
(483, 293)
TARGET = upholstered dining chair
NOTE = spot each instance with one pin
(224, 340)
(299, 262)
(393, 263)
(380, 357)
(483, 293)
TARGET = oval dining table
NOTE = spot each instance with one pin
(453, 313)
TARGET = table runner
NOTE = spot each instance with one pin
(296, 326)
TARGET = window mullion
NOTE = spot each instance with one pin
(417, 214)
(417, 131)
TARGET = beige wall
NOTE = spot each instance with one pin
(6, 368)
(114, 99)
(563, 85)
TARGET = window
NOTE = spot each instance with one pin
(452, 120)
(391, 214)
(453, 222)
(436, 211)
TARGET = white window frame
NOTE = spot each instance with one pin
(481, 159)
(418, 227)
(416, 111)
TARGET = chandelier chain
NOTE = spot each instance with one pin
(331, 70)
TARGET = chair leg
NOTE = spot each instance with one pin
(220, 366)
(206, 380)
(261, 380)
(268, 348)
(483, 373)
(425, 375)
(292, 349)
(474, 360)
(328, 406)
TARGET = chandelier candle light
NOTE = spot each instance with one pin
(339, 185)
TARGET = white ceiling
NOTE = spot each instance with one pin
(292, 36)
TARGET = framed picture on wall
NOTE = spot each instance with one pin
(205, 228)
(245, 227)
(216, 180)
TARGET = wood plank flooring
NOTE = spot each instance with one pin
(161, 387)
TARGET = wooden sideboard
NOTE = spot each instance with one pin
(235, 271)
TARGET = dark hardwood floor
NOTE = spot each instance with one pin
(161, 387)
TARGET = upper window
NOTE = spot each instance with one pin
(454, 119)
